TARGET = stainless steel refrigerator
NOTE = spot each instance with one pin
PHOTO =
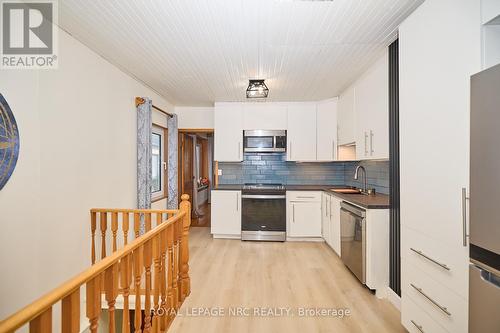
(484, 269)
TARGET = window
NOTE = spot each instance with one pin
(158, 164)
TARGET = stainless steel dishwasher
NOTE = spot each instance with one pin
(353, 239)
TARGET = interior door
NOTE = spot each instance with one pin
(186, 165)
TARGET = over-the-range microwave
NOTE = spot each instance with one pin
(264, 141)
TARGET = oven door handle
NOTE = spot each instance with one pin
(263, 197)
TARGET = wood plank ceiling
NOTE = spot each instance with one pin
(196, 52)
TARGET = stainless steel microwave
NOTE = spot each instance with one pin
(264, 141)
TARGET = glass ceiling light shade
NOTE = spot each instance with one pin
(257, 89)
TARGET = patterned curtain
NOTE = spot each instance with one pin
(173, 138)
(144, 174)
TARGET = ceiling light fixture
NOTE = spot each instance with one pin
(257, 89)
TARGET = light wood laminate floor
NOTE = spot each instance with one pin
(228, 274)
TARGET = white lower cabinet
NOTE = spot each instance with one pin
(434, 277)
(331, 221)
(416, 320)
(303, 213)
(326, 230)
(335, 223)
(377, 250)
(226, 214)
(443, 305)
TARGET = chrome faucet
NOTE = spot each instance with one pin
(356, 177)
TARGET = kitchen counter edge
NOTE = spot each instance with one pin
(377, 201)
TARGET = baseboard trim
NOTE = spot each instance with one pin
(304, 239)
(394, 298)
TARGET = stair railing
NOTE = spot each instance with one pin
(153, 267)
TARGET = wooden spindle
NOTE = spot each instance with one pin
(125, 227)
(178, 237)
(125, 280)
(185, 206)
(114, 228)
(137, 287)
(111, 291)
(156, 282)
(170, 273)
(147, 260)
(148, 222)
(159, 218)
(175, 267)
(93, 227)
(93, 290)
(42, 323)
(137, 224)
(104, 227)
(70, 313)
(163, 281)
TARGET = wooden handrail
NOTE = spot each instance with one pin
(122, 210)
(137, 252)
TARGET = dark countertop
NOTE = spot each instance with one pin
(228, 187)
(376, 201)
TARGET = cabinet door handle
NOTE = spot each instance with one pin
(303, 197)
(442, 308)
(419, 327)
(420, 253)
(371, 142)
(293, 213)
(366, 144)
(464, 216)
(237, 202)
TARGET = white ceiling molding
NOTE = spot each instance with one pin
(198, 52)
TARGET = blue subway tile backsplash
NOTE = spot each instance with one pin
(273, 168)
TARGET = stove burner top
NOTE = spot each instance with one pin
(275, 187)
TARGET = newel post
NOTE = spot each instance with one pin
(185, 206)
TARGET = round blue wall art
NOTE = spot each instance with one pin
(9, 142)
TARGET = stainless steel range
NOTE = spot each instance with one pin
(263, 214)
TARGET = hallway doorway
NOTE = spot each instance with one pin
(196, 172)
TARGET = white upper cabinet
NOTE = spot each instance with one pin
(372, 112)
(264, 116)
(326, 136)
(346, 117)
(228, 132)
(490, 9)
(301, 135)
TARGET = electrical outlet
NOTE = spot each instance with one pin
(219, 172)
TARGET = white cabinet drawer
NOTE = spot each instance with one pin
(304, 195)
(444, 306)
(415, 320)
(437, 260)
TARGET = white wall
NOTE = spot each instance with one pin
(78, 150)
(195, 117)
